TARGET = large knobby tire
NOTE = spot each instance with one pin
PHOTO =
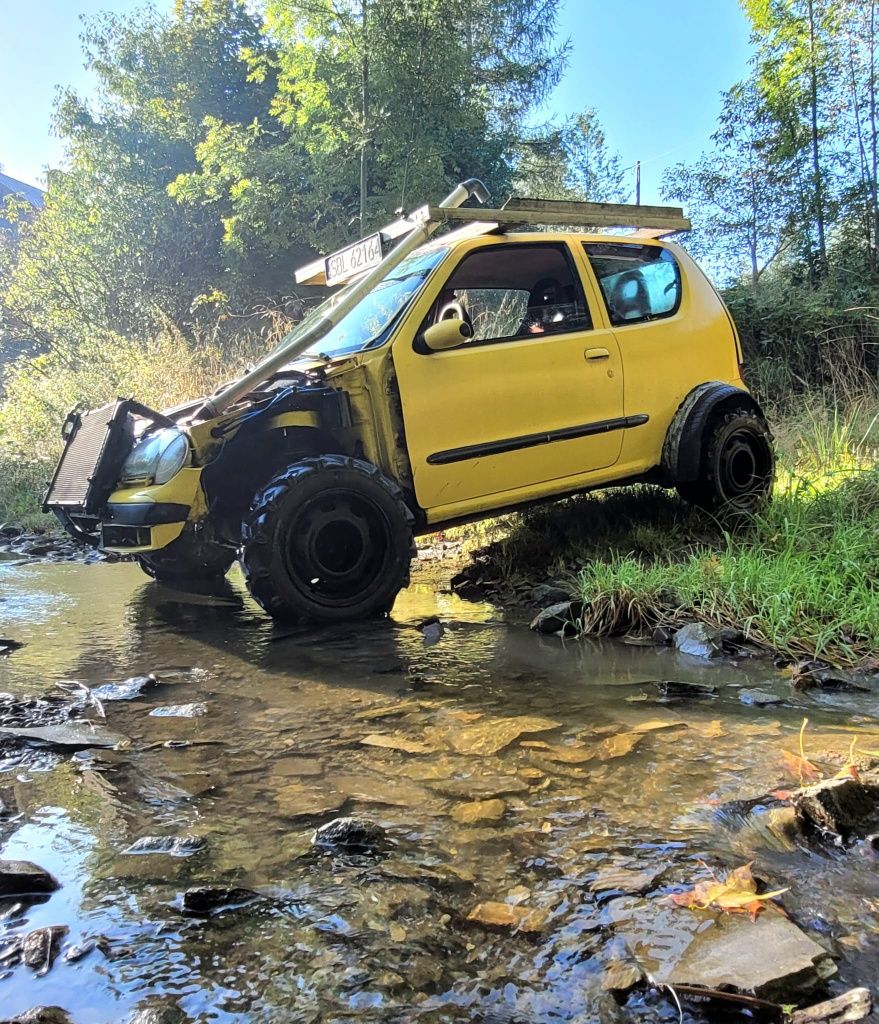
(187, 560)
(328, 539)
(737, 468)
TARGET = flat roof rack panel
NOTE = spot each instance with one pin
(594, 215)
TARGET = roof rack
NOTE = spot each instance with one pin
(517, 212)
(539, 212)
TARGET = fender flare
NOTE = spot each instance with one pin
(682, 448)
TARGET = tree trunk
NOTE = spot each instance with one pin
(874, 142)
(818, 182)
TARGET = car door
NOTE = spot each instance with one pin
(535, 396)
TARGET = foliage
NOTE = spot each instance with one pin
(735, 894)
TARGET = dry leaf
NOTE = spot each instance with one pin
(802, 768)
(737, 894)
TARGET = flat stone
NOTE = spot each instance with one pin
(491, 735)
(620, 976)
(479, 811)
(66, 736)
(770, 958)
(126, 690)
(194, 710)
(21, 878)
(350, 834)
(298, 801)
(41, 1015)
(675, 689)
(505, 915)
(169, 846)
(761, 698)
(394, 741)
(628, 880)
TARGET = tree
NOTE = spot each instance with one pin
(572, 162)
(737, 195)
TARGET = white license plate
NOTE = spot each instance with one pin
(353, 259)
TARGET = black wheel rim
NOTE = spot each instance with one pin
(337, 546)
(744, 467)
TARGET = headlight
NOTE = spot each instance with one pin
(157, 456)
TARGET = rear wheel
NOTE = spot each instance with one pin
(328, 539)
(187, 559)
(737, 467)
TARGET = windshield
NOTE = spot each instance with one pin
(370, 319)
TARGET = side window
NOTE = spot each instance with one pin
(638, 282)
(513, 291)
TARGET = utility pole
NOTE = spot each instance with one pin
(637, 182)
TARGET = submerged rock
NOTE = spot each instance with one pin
(38, 948)
(770, 958)
(66, 736)
(559, 618)
(40, 1015)
(479, 811)
(760, 698)
(351, 835)
(8, 646)
(674, 689)
(491, 735)
(505, 915)
(194, 710)
(22, 878)
(204, 900)
(170, 846)
(126, 690)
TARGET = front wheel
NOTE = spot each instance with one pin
(328, 539)
(737, 468)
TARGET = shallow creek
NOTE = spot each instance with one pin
(597, 842)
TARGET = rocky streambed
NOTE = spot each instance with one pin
(443, 817)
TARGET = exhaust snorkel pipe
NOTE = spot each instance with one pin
(295, 343)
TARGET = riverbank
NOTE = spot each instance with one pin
(800, 580)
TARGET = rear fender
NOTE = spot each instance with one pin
(682, 449)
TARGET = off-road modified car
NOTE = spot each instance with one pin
(451, 378)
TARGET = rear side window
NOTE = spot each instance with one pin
(638, 282)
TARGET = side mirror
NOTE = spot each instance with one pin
(447, 334)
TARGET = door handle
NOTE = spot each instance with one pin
(594, 354)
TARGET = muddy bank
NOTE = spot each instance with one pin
(517, 814)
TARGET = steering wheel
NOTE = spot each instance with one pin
(455, 311)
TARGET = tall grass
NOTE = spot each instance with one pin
(39, 392)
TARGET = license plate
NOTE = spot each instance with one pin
(353, 259)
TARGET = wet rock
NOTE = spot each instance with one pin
(810, 675)
(194, 710)
(625, 880)
(479, 812)
(164, 1011)
(401, 707)
(548, 594)
(505, 915)
(621, 976)
(22, 878)
(491, 735)
(770, 958)
(73, 954)
(840, 807)
(40, 947)
(65, 736)
(204, 900)
(126, 690)
(561, 618)
(7, 646)
(663, 636)
(699, 640)
(432, 632)
(351, 835)
(394, 741)
(482, 787)
(40, 1015)
(759, 698)
(170, 846)
(675, 689)
(9, 531)
(854, 1005)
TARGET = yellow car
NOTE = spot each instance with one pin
(453, 377)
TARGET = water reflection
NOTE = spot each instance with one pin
(387, 721)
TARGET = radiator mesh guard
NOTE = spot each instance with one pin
(92, 458)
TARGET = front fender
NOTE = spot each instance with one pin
(682, 449)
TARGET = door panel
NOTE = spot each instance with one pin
(486, 418)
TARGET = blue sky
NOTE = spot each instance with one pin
(654, 72)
